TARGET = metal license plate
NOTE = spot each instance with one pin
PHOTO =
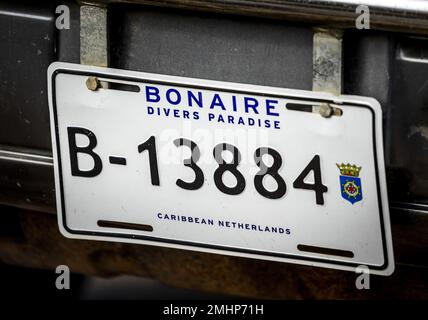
(219, 167)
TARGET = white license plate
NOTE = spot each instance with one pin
(219, 167)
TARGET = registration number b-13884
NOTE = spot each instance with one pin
(199, 178)
(219, 167)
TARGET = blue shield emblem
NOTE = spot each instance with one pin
(350, 183)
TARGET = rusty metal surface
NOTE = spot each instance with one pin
(327, 61)
(93, 36)
(201, 271)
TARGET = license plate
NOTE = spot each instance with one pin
(219, 167)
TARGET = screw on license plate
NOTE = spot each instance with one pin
(326, 110)
(92, 83)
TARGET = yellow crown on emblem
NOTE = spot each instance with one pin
(349, 170)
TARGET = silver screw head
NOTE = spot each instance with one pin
(325, 110)
(92, 83)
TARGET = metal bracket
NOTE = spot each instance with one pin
(327, 61)
(327, 68)
(93, 36)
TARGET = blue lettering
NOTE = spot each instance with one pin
(152, 91)
(251, 103)
(234, 103)
(191, 97)
(177, 99)
(216, 102)
(270, 106)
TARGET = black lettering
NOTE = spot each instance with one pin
(89, 150)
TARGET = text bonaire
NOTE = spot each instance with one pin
(220, 107)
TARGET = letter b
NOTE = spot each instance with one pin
(152, 94)
(89, 150)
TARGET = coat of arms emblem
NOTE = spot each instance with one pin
(350, 183)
